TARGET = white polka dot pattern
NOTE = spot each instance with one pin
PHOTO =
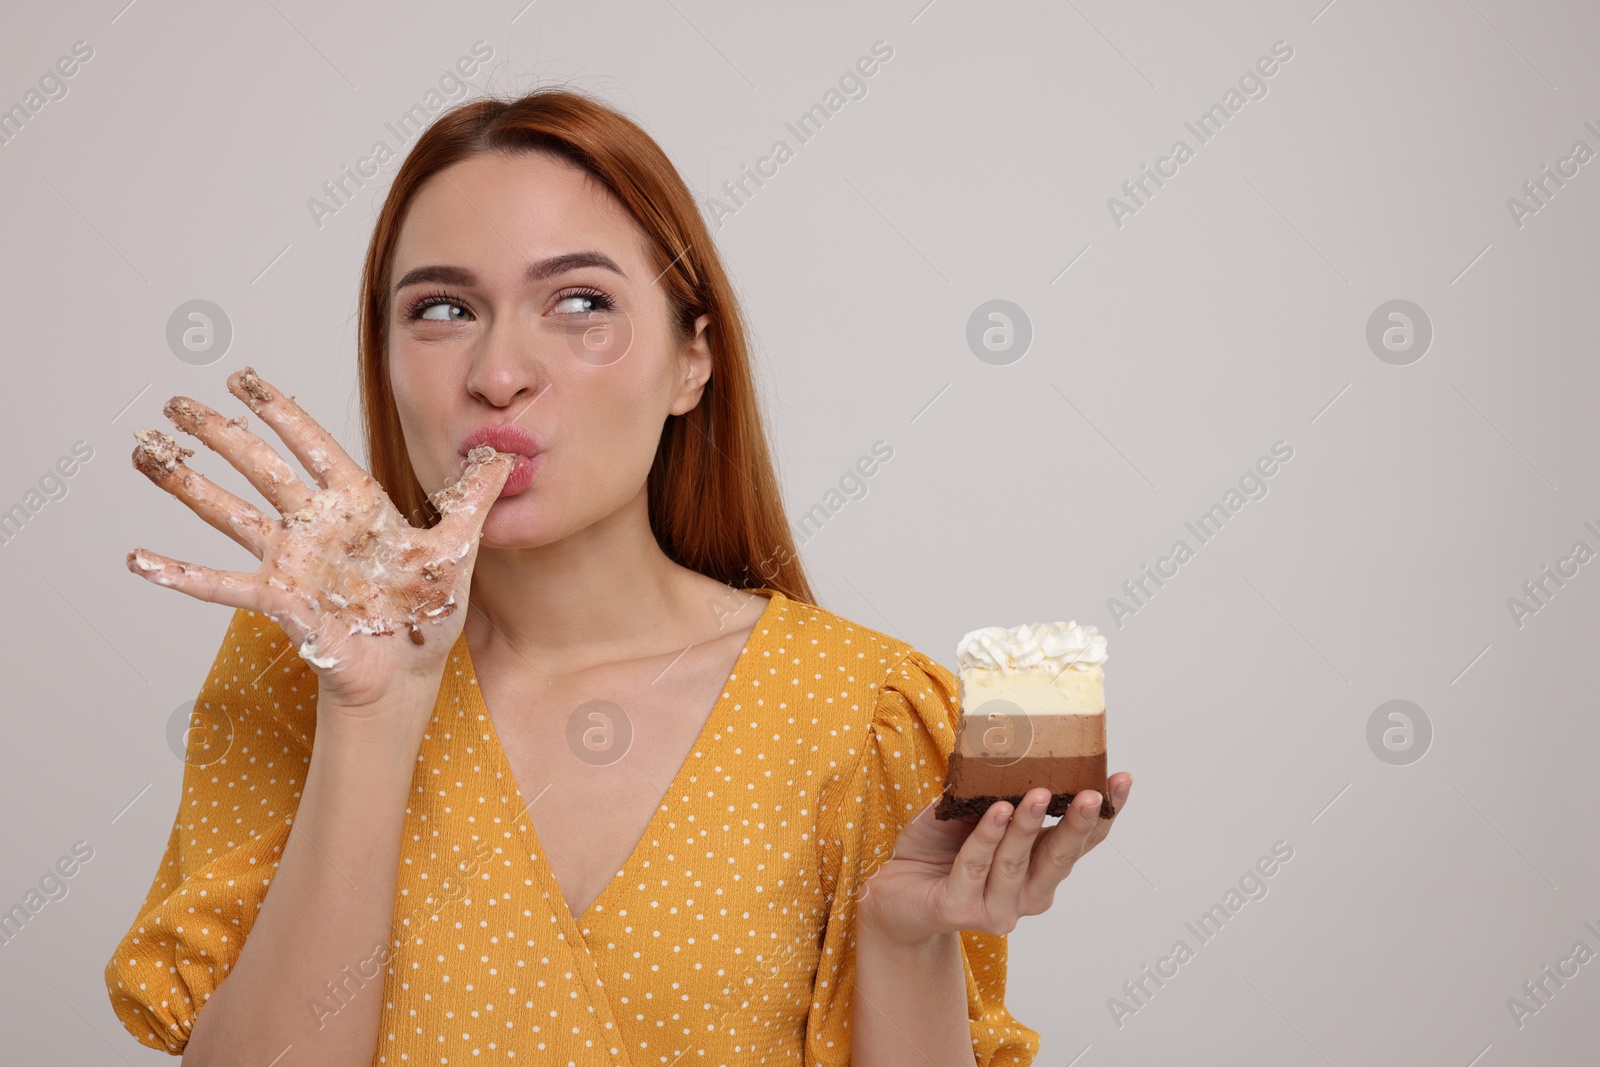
(727, 937)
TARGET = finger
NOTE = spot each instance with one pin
(1118, 786)
(313, 446)
(1063, 845)
(248, 454)
(160, 458)
(231, 588)
(969, 874)
(1014, 854)
(465, 503)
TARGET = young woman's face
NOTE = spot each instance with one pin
(523, 297)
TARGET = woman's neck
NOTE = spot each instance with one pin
(605, 593)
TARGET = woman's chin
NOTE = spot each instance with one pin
(513, 522)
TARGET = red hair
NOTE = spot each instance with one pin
(714, 501)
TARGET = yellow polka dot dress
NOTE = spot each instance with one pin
(727, 937)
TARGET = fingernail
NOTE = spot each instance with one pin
(1039, 806)
(1002, 814)
(1122, 793)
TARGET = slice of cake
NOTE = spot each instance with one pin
(1033, 713)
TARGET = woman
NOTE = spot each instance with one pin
(593, 781)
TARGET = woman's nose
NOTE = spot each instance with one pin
(508, 366)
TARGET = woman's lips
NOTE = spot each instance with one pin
(522, 474)
(509, 437)
(504, 437)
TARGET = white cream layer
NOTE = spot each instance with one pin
(1072, 692)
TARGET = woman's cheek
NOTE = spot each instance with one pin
(411, 395)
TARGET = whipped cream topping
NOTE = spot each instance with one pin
(1051, 647)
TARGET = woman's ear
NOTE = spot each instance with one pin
(696, 362)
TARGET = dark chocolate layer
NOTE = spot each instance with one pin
(980, 775)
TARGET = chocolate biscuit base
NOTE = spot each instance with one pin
(954, 807)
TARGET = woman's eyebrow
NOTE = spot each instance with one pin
(544, 268)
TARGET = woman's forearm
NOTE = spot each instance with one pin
(304, 980)
(909, 1005)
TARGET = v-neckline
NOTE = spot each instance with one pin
(503, 772)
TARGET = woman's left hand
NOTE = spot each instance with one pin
(960, 874)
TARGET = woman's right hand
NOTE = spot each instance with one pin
(371, 602)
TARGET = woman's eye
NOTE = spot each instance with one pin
(442, 312)
(582, 303)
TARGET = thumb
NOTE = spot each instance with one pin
(465, 503)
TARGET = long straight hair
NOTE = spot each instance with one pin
(714, 500)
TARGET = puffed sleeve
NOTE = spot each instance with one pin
(902, 770)
(247, 752)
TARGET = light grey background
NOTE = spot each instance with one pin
(1167, 354)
